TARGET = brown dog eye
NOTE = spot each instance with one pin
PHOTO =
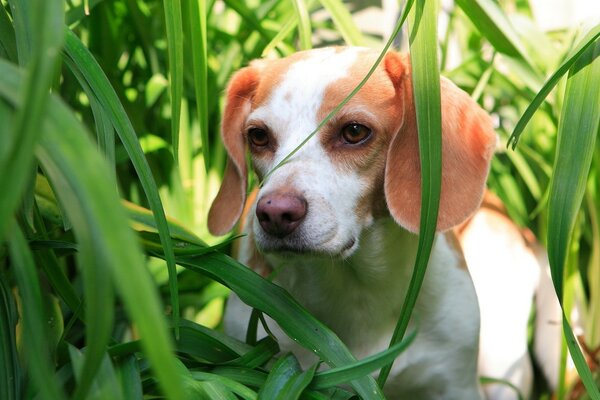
(354, 133)
(258, 137)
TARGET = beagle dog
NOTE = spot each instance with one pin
(338, 220)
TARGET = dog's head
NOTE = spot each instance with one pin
(361, 165)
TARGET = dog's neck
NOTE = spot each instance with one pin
(363, 291)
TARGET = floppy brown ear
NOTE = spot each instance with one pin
(227, 206)
(468, 142)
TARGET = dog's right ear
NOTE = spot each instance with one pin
(228, 205)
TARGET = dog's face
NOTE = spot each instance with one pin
(361, 165)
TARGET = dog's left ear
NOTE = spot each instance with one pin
(227, 206)
(468, 142)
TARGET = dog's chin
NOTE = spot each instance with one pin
(296, 248)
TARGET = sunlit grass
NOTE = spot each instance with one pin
(105, 101)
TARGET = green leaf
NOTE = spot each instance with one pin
(233, 385)
(129, 376)
(304, 29)
(590, 38)
(109, 100)
(337, 376)
(577, 132)
(343, 21)
(426, 92)
(10, 375)
(105, 383)
(39, 39)
(37, 353)
(73, 164)
(493, 23)
(197, 9)
(174, 27)
(274, 301)
(282, 372)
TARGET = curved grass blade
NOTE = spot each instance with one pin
(277, 303)
(304, 29)
(284, 370)
(590, 38)
(233, 385)
(343, 21)
(337, 376)
(577, 131)
(109, 100)
(10, 376)
(37, 353)
(7, 36)
(39, 39)
(426, 90)
(197, 9)
(492, 23)
(72, 162)
(174, 25)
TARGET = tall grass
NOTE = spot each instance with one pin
(109, 116)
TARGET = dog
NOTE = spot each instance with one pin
(339, 219)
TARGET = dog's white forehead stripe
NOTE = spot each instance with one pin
(291, 111)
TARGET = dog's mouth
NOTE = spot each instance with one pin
(286, 248)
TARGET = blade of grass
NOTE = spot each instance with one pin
(73, 164)
(337, 376)
(37, 352)
(7, 36)
(590, 38)
(38, 48)
(277, 303)
(10, 376)
(174, 27)
(494, 25)
(343, 21)
(285, 369)
(197, 10)
(107, 97)
(304, 29)
(233, 385)
(426, 90)
(577, 131)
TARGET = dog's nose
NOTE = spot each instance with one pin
(280, 213)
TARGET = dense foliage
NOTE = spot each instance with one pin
(109, 120)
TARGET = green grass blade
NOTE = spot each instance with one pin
(105, 384)
(107, 97)
(197, 9)
(130, 379)
(337, 376)
(493, 23)
(10, 376)
(233, 385)
(7, 36)
(34, 318)
(250, 18)
(44, 41)
(71, 161)
(343, 21)
(590, 38)
(282, 372)
(304, 29)
(174, 27)
(426, 91)
(277, 303)
(577, 132)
